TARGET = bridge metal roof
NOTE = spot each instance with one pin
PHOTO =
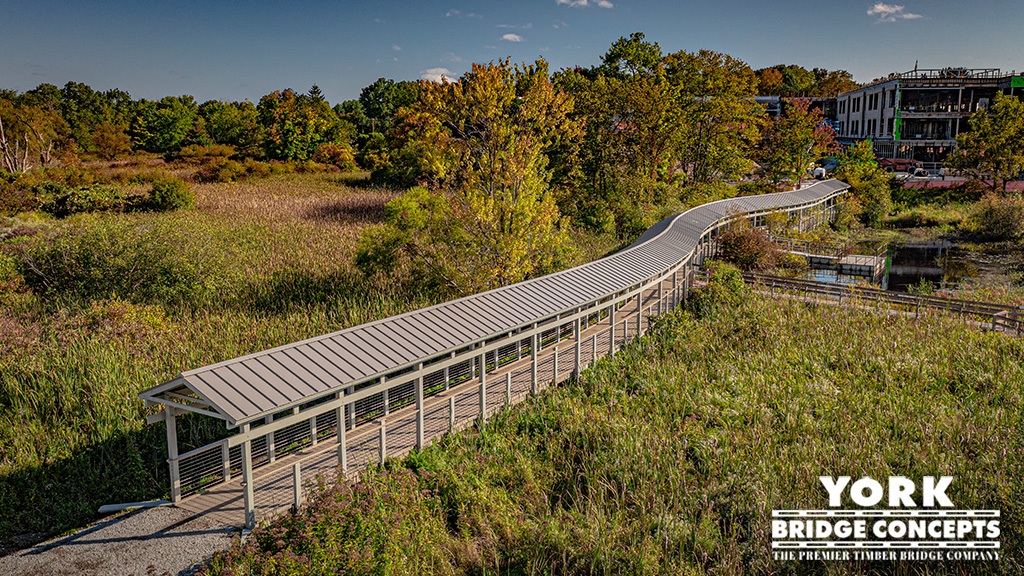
(250, 387)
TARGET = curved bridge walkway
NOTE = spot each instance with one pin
(399, 383)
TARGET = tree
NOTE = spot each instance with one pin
(28, 135)
(234, 124)
(633, 56)
(167, 125)
(994, 147)
(795, 140)
(382, 100)
(110, 140)
(296, 125)
(490, 219)
(868, 182)
(722, 120)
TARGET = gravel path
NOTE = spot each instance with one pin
(151, 542)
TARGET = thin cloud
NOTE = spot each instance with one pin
(436, 74)
(891, 12)
(396, 47)
(585, 3)
(461, 14)
(526, 26)
(512, 38)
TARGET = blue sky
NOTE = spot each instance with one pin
(230, 50)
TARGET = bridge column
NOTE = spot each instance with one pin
(611, 327)
(576, 336)
(340, 413)
(419, 407)
(383, 441)
(554, 370)
(248, 496)
(534, 342)
(350, 424)
(483, 388)
(384, 395)
(639, 314)
(271, 445)
(172, 453)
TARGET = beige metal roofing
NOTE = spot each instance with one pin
(250, 387)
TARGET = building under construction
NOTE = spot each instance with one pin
(918, 114)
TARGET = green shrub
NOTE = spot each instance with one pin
(199, 153)
(61, 200)
(256, 168)
(93, 258)
(170, 194)
(998, 217)
(725, 288)
(221, 170)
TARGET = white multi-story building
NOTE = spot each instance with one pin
(918, 114)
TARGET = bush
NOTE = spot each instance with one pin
(14, 199)
(998, 217)
(747, 247)
(170, 194)
(198, 153)
(221, 170)
(95, 259)
(725, 288)
(62, 201)
(339, 155)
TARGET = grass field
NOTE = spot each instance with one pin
(272, 262)
(134, 299)
(669, 457)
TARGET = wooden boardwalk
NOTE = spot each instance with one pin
(274, 483)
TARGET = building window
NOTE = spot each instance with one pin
(892, 99)
(855, 128)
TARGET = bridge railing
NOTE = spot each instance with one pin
(1000, 318)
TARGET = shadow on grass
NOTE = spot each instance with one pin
(39, 502)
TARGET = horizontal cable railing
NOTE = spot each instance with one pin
(1001, 318)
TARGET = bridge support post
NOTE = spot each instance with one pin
(312, 431)
(593, 350)
(248, 495)
(271, 445)
(383, 441)
(534, 342)
(419, 407)
(225, 461)
(297, 485)
(339, 414)
(686, 283)
(446, 378)
(508, 389)
(384, 394)
(661, 296)
(611, 328)
(172, 453)
(483, 389)
(350, 424)
(578, 348)
(451, 413)
(554, 370)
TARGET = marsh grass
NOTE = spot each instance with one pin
(669, 457)
(134, 299)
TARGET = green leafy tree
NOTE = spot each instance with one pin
(382, 100)
(234, 124)
(296, 125)
(491, 219)
(795, 140)
(721, 119)
(994, 147)
(869, 183)
(633, 56)
(166, 125)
